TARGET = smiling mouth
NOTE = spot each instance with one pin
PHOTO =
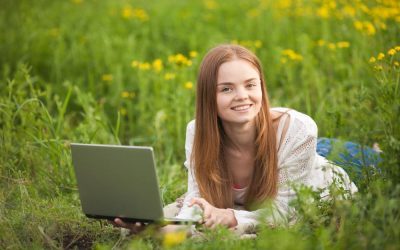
(242, 107)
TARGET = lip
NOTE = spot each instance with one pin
(243, 107)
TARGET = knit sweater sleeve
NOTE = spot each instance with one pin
(187, 212)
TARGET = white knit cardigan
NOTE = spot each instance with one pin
(298, 163)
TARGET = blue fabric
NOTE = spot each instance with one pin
(352, 157)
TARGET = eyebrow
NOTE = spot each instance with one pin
(230, 83)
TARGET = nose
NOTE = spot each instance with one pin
(241, 94)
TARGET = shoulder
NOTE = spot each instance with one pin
(190, 127)
(304, 122)
(298, 121)
(298, 149)
(296, 130)
(189, 140)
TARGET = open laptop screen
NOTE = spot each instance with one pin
(117, 181)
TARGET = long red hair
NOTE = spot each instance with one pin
(212, 175)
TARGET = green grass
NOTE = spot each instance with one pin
(75, 71)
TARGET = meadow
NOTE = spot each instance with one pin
(124, 72)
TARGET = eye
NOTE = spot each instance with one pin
(226, 89)
(251, 85)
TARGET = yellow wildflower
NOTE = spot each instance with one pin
(127, 12)
(140, 14)
(107, 77)
(169, 76)
(358, 25)
(288, 52)
(179, 59)
(321, 42)
(372, 59)
(285, 4)
(369, 28)
(246, 43)
(349, 11)
(135, 64)
(397, 48)
(193, 53)
(123, 111)
(188, 85)
(364, 8)
(210, 4)
(391, 52)
(125, 94)
(381, 56)
(257, 43)
(323, 12)
(396, 63)
(298, 57)
(174, 238)
(144, 66)
(343, 44)
(292, 55)
(378, 67)
(332, 46)
(157, 65)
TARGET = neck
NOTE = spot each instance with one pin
(241, 137)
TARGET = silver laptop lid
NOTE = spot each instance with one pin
(117, 181)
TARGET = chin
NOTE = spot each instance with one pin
(241, 121)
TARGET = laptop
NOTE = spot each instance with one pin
(119, 182)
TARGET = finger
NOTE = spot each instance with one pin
(209, 222)
(197, 201)
(216, 223)
(207, 213)
(202, 221)
(120, 223)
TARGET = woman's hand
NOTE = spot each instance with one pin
(213, 216)
(134, 228)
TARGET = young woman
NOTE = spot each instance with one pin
(240, 152)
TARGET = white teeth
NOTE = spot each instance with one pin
(239, 108)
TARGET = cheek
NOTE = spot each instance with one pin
(258, 97)
(258, 101)
(222, 101)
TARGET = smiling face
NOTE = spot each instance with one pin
(239, 94)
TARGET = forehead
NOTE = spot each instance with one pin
(237, 70)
